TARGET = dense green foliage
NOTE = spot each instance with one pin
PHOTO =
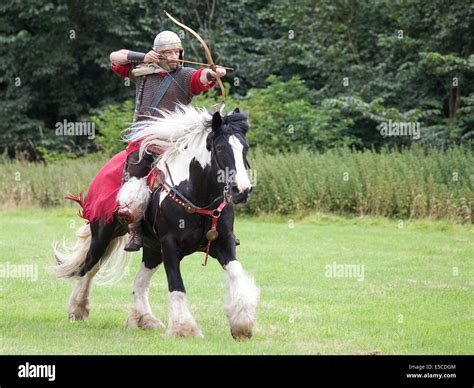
(407, 184)
(110, 124)
(356, 65)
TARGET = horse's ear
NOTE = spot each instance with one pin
(216, 121)
(236, 110)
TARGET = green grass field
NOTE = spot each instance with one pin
(415, 296)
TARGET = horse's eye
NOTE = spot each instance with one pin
(219, 148)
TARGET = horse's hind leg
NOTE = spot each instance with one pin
(78, 305)
(141, 315)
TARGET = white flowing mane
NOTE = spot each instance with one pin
(177, 132)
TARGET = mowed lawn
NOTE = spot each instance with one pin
(415, 295)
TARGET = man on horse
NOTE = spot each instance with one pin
(161, 83)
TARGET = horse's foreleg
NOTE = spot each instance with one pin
(141, 315)
(242, 293)
(242, 299)
(181, 321)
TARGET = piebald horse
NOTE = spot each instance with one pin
(203, 166)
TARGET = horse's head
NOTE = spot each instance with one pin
(229, 147)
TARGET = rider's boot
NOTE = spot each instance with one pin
(135, 239)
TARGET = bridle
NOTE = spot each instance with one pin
(214, 152)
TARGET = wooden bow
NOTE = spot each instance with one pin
(212, 65)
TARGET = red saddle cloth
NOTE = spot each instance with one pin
(101, 199)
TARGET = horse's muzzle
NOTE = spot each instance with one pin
(240, 196)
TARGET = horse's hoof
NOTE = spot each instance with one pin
(185, 329)
(241, 335)
(148, 321)
(78, 315)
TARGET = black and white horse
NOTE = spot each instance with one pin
(204, 161)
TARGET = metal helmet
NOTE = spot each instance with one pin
(168, 40)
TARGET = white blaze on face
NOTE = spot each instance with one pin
(241, 177)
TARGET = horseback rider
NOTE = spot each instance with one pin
(161, 82)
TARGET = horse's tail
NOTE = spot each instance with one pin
(111, 271)
(70, 259)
